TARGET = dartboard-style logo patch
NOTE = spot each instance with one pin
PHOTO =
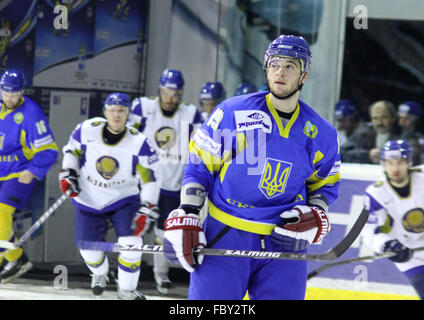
(165, 137)
(413, 220)
(310, 130)
(18, 117)
(107, 166)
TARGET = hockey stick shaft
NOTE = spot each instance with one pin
(326, 256)
(36, 225)
(341, 262)
(155, 249)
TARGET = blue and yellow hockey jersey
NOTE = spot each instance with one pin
(254, 167)
(26, 141)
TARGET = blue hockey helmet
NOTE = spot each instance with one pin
(396, 149)
(345, 109)
(245, 88)
(411, 108)
(212, 91)
(171, 79)
(12, 81)
(117, 98)
(290, 46)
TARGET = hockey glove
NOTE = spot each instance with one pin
(145, 219)
(68, 179)
(403, 253)
(299, 227)
(183, 234)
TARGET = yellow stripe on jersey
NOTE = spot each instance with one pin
(319, 182)
(241, 145)
(318, 157)
(5, 111)
(30, 152)
(239, 223)
(10, 176)
(145, 174)
(212, 163)
(284, 131)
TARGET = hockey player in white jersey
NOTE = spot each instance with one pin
(104, 164)
(167, 123)
(396, 208)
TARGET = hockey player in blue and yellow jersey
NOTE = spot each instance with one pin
(269, 166)
(27, 151)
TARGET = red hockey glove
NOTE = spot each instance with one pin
(299, 227)
(183, 234)
(145, 219)
(68, 179)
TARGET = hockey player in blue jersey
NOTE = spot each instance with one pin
(27, 151)
(268, 165)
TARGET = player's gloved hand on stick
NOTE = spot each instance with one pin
(300, 227)
(145, 219)
(68, 179)
(183, 233)
(403, 253)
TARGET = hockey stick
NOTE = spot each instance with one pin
(11, 246)
(330, 255)
(374, 257)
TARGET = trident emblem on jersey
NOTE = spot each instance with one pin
(274, 177)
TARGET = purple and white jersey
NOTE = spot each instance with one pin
(110, 175)
(169, 136)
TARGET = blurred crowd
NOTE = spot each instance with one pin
(361, 141)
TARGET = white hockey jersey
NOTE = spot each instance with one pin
(393, 216)
(109, 175)
(169, 136)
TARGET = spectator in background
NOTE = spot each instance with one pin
(245, 88)
(211, 94)
(366, 142)
(409, 115)
(383, 119)
(347, 119)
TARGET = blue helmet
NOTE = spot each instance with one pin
(396, 149)
(171, 79)
(212, 91)
(12, 81)
(117, 98)
(345, 109)
(290, 46)
(411, 108)
(245, 88)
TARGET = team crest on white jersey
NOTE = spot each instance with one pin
(107, 166)
(252, 119)
(274, 177)
(413, 220)
(165, 137)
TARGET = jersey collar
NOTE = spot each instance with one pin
(283, 130)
